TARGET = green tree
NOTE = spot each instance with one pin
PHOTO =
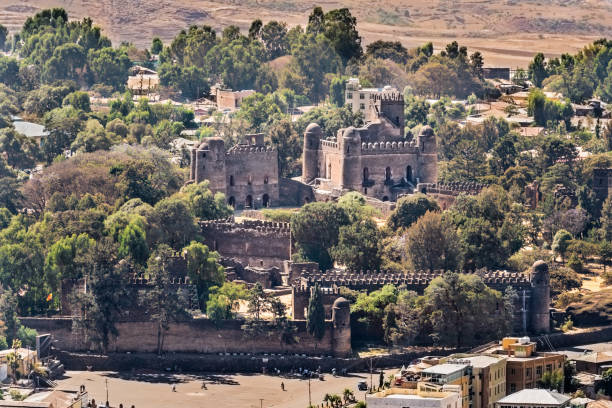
(257, 301)
(92, 138)
(274, 37)
(65, 258)
(605, 220)
(100, 308)
(336, 90)
(433, 244)
(176, 225)
(463, 310)
(203, 269)
(109, 66)
(18, 151)
(315, 229)
(133, 243)
(606, 382)
(164, 302)
(3, 36)
(202, 203)
(287, 141)
(315, 321)
(357, 246)
(223, 301)
(538, 70)
(409, 209)
(78, 100)
(561, 242)
(156, 46)
(393, 50)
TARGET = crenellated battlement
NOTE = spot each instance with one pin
(240, 150)
(388, 98)
(140, 280)
(453, 188)
(408, 147)
(375, 279)
(230, 225)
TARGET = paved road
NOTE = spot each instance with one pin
(154, 390)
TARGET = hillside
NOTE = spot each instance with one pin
(508, 32)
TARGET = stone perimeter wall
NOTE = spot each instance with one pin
(194, 336)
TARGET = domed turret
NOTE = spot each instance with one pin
(312, 136)
(540, 297)
(341, 319)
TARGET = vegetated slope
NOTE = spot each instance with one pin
(594, 309)
(505, 30)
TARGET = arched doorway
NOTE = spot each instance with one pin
(409, 173)
(231, 180)
(248, 202)
(265, 200)
(388, 174)
(232, 201)
(366, 174)
(385, 198)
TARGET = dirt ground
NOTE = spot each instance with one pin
(507, 32)
(154, 390)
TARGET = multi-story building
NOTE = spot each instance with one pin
(423, 396)
(458, 373)
(525, 366)
(488, 379)
(360, 99)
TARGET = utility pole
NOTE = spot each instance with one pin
(309, 397)
(106, 392)
(371, 380)
(261, 403)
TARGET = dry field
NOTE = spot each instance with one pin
(508, 32)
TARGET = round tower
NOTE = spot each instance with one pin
(341, 320)
(540, 297)
(310, 158)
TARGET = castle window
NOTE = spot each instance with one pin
(266, 180)
(232, 202)
(250, 180)
(388, 174)
(265, 200)
(248, 202)
(231, 180)
(366, 174)
(409, 173)
(349, 95)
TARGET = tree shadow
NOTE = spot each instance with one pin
(172, 378)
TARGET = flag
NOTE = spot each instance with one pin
(49, 297)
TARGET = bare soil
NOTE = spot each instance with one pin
(507, 32)
(154, 390)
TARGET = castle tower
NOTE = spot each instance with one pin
(341, 320)
(210, 164)
(540, 297)
(312, 136)
(392, 108)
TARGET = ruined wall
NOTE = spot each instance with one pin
(446, 193)
(259, 243)
(294, 193)
(194, 336)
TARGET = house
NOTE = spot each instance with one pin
(28, 358)
(32, 131)
(457, 373)
(227, 99)
(535, 398)
(424, 396)
(594, 363)
(142, 80)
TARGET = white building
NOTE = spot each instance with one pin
(424, 396)
(534, 398)
(359, 98)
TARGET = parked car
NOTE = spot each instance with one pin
(362, 386)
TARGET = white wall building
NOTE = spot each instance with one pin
(424, 396)
(359, 98)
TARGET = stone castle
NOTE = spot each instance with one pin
(376, 160)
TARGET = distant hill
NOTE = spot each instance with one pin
(508, 32)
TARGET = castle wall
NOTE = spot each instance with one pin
(294, 193)
(252, 177)
(259, 243)
(193, 336)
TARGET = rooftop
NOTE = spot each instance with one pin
(483, 361)
(535, 396)
(444, 369)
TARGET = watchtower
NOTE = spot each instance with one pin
(540, 297)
